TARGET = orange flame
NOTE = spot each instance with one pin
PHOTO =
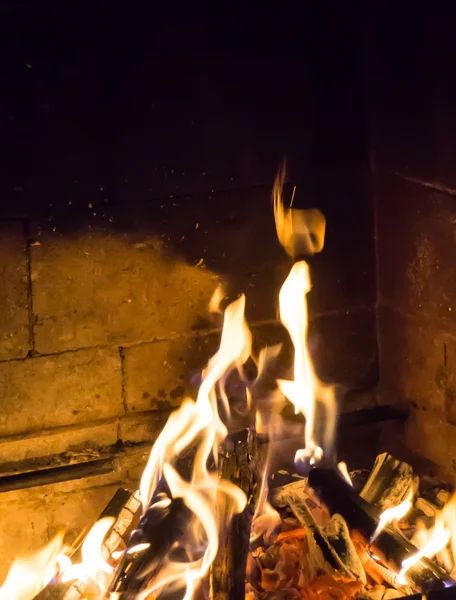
(300, 231)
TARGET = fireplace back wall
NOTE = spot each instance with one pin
(136, 175)
(413, 133)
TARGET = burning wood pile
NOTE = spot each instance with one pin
(210, 521)
(379, 536)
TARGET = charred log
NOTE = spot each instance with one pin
(160, 527)
(239, 462)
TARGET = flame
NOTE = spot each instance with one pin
(434, 540)
(92, 567)
(343, 470)
(216, 300)
(394, 513)
(198, 423)
(299, 231)
(29, 575)
(438, 539)
(305, 390)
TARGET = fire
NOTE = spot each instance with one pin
(93, 567)
(435, 540)
(395, 513)
(29, 575)
(210, 501)
(299, 231)
(199, 423)
(305, 390)
(343, 470)
(302, 231)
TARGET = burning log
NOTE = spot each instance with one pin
(127, 514)
(363, 517)
(160, 527)
(239, 462)
(165, 521)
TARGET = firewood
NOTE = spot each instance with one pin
(389, 483)
(330, 547)
(363, 517)
(159, 528)
(125, 507)
(240, 463)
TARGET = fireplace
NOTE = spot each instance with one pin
(136, 180)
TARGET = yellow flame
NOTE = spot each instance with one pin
(394, 513)
(435, 540)
(343, 470)
(438, 539)
(198, 423)
(92, 567)
(299, 231)
(305, 389)
(29, 575)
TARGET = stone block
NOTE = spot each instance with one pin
(14, 322)
(102, 289)
(59, 390)
(343, 346)
(42, 444)
(418, 367)
(416, 234)
(142, 427)
(159, 375)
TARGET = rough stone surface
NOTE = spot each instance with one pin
(14, 325)
(416, 234)
(79, 439)
(143, 427)
(160, 375)
(114, 290)
(417, 366)
(53, 391)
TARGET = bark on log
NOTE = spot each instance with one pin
(239, 462)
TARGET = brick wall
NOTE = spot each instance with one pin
(136, 176)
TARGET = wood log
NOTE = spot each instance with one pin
(330, 546)
(389, 483)
(159, 528)
(125, 507)
(240, 463)
(339, 497)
